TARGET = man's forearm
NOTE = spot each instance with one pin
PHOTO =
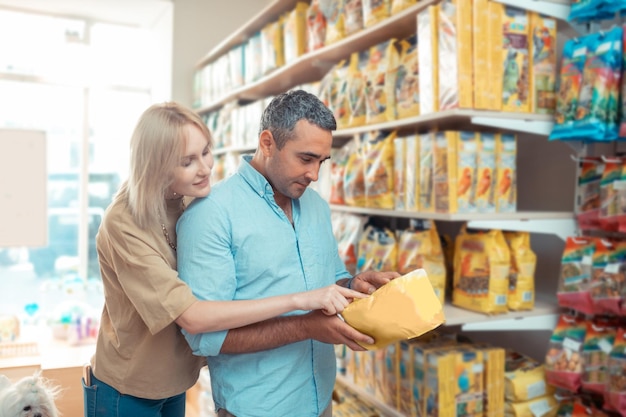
(268, 334)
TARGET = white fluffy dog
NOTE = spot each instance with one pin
(32, 396)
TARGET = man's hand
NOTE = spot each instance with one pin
(369, 281)
(333, 330)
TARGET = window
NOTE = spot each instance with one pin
(84, 83)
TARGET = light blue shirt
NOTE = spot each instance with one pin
(238, 244)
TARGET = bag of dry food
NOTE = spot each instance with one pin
(563, 363)
(379, 159)
(316, 27)
(522, 273)
(420, 248)
(338, 161)
(402, 309)
(481, 271)
(354, 176)
(333, 11)
(381, 73)
(347, 228)
(377, 250)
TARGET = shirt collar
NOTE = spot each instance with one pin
(257, 182)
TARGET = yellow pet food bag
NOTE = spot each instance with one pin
(402, 309)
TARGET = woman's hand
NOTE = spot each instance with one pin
(331, 300)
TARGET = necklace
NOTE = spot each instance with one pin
(166, 233)
(167, 237)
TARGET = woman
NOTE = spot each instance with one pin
(143, 365)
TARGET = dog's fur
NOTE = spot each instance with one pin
(32, 396)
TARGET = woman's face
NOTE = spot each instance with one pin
(192, 176)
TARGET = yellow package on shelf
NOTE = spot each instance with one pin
(402, 309)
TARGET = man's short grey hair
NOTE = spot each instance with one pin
(287, 109)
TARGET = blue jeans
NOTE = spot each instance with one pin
(102, 400)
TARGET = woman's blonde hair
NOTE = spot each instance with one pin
(156, 149)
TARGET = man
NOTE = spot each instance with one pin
(263, 232)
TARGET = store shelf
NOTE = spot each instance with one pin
(543, 317)
(313, 65)
(540, 124)
(555, 8)
(367, 397)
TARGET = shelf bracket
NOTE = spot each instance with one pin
(563, 228)
(543, 322)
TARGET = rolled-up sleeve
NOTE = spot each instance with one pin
(205, 263)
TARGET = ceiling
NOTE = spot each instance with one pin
(142, 13)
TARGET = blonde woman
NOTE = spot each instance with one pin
(143, 366)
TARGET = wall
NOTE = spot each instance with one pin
(200, 25)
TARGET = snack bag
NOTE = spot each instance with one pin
(356, 88)
(599, 339)
(334, 16)
(587, 209)
(354, 176)
(381, 73)
(402, 309)
(316, 27)
(563, 360)
(576, 264)
(616, 386)
(525, 378)
(338, 163)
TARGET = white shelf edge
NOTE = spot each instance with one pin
(542, 317)
(369, 398)
(549, 216)
(560, 10)
(561, 227)
(521, 122)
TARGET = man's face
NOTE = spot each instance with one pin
(291, 169)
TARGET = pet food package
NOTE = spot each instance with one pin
(563, 363)
(338, 161)
(407, 79)
(543, 63)
(525, 378)
(381, 73)
(339, 99)
(411, 173)
(445, 145)
(590, 171)
(428, 56)
(356, 87)
(402, 309)
(272, 52)
(353, 16)
(480, 44)
(347, 228)
(616, 385)
(354, 176)
(484, 197)
(506, 173)
(378, 250)
(545, 406)
(522, 273)
(455, 54)
(379, 157)
(508, 62)
(253, 58)
(481, 271)
(467, 148)
(294, 32)
(426, 146)
(420, 248)
(576, 265)
(609, 203)
(599, 340)
(333, 11)
(316, 27)
(399, 172)
(375, 11)
(236, 65)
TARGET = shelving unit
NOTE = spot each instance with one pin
(313, 65)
